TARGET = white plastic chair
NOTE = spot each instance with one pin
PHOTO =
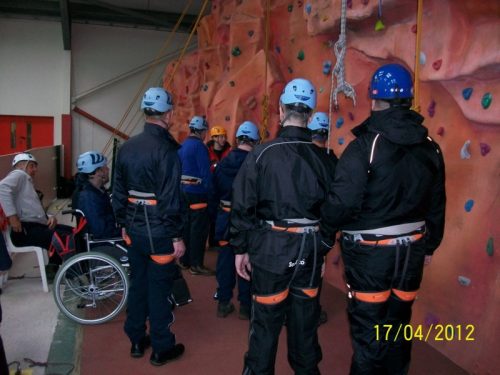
(41, 255)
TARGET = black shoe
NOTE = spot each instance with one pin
(244, 312)
(161, 358)
(137, 349)
(224, 309)
(201, 270)
(183, 266)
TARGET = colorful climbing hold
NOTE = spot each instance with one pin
(290, 7)
(236, 51)
(321, 89)
(290, 70)
(430, 319)
(490, 249)
(299, 3)
(227, 118)
(379, 25)
(467, 92)
(277, 49)
(308, 8)
(468, 205)
(351, 116)
(325, 18)
(465, 281)
(301, 56)
(440, 131)
(486, 100)
(431, 110)
(349, 4)
(231, 83)
(207, 65)
(339, 122)
(485, 149)
(340, 141)
(327, 66)
(422, 58)
(464, 151)
(365, 2)
(414, 28)
(437, 64)
(250, 33)
(205, 87)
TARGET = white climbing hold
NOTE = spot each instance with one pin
(464, 152)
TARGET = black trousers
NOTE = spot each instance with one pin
(377, 269)
(299, 310)
(195, 231)
(35, 234)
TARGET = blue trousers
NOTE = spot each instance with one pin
(226, 278)
(150, 288)
(195, 231)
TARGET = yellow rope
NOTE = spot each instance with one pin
(265, 99)
(416, 85)
(148, 75)
(187, 43)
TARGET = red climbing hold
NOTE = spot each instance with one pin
(437, 64)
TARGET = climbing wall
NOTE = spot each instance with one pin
(232, 73)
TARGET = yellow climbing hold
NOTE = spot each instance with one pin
(379, 25)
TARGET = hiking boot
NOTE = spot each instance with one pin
(224, 309)
(201, 270)
(244, 312)
(161, 358)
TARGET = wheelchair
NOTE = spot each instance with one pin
(92, 284)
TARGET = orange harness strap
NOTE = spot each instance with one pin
(226, 209)
(405, 296)
(273, 299)
(391, 241)
(223, 243)
(162, 258)
(372, 297)
(310, 292)
(198, 206)
(291, 229)
(146, 202)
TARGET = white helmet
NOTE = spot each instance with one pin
(89, 161)
(198, 123)
(157, 99)
(23, 157)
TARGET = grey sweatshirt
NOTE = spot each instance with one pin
(18, 197)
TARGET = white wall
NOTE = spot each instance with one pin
(101, 53)
(39, 78)
(34, 70)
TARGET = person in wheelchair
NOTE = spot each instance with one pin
(91, 197)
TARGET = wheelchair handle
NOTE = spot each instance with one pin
(73, 212)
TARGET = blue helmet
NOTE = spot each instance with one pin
(158, 99)
(249, 130)
(198, 123)
(319, 122)
(299, 91)
(391, 81)
(89, 161)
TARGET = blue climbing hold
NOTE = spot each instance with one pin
(327, 66)
(339, 122)
(341, 141)
(278, 49)
(464, 151)
(308, 8)
(465, 281)
(468, 205)
(467, 92)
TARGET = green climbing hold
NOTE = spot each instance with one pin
(290, 8)
(236, 51)
(379, 25)
(486, 100)
(301, 56)
(490, 249)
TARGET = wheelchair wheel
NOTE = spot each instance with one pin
(91, 288)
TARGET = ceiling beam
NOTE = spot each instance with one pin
(65, 24)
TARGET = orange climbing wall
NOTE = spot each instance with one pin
(460, 44)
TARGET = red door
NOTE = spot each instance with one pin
(20, 133)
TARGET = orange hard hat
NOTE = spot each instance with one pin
(217, 130)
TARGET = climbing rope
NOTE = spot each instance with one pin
(147, 77)
(265, 99)
(338, 71)
(200, 15)
(416, 84)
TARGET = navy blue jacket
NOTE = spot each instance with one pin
(196, 163)
(224, 175)
(148, 163)
(96, 206)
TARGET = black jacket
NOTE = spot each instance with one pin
(404, 183)
(148, 162)
(286, 178)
